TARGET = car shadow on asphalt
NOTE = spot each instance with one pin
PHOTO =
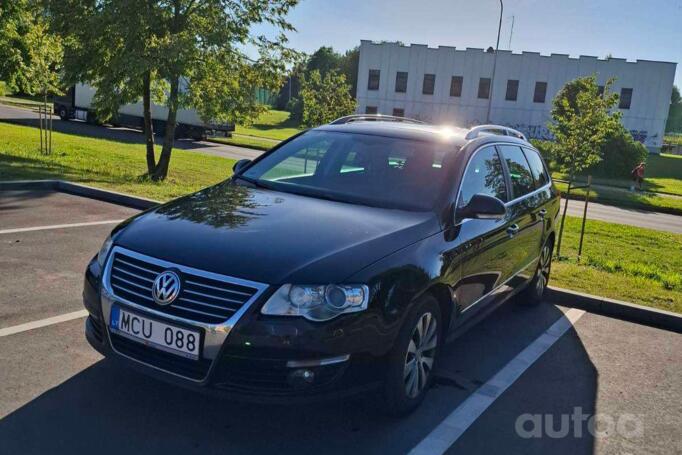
(107, 409)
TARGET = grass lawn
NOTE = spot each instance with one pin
(246, 141)
(622, 262)
(663, 175)
(103, 163)
(30, 102)
(624, 198)
(268, 130)
(271, 125)
(674, 139)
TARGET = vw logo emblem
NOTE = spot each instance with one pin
(166, 288)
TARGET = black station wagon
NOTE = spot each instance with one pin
(340, 261)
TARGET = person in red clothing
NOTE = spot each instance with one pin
(638, 175)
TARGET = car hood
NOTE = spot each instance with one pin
(272, 237)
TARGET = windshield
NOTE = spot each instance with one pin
(357, 168)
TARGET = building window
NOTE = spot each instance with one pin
(401, 82)
(373, 81)
(540, 92)
(625, 98)
(397, 112)
(429, 84)
(512, 90)
(456, 86)
(371, 110)
(484, 88)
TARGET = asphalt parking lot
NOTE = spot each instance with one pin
(525, 380)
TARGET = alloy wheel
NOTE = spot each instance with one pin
(543, 269)
(421, 354)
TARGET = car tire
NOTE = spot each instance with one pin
(413, 358)
(62, 113)
(534, 292)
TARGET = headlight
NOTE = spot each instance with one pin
(317, 303)
(104, 251)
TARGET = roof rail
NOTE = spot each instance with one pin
(494, 129)
(373, 118)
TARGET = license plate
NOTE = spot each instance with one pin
(156, 334)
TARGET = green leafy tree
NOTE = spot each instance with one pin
(192, 48)
(674, 123)
(582, 120)
(30, 56)
(325, 98)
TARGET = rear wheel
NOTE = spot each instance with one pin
(63, 113)
(413, 358)
(535, 290)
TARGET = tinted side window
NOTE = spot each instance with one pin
(519, 171)
(537, 167)
(483, 175)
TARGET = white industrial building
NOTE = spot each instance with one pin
(452, 86)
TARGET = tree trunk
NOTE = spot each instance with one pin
(148, 124)
(168, 141)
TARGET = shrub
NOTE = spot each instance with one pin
(4, 90)
(620, 154)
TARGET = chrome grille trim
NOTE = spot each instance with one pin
(132, 274)
(214, 334)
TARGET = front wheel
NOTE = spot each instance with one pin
(413, 358)
(535, 291)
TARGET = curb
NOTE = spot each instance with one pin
(618, 309)
(80, 190)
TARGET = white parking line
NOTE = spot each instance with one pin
(42, 323)
(57, 226)
(454, 425)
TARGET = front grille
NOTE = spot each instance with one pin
(193, 369)
(201, 298)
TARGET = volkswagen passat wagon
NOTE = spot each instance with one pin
(340, 261)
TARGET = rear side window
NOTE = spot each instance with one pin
(519, 170)
(537, 168)
(483, 175)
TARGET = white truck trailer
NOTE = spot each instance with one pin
(76, 103)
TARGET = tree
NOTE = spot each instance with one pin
(194, 49)
(324, 60)
(674, 123)
(30, 56)
(582, 120)
(325, 98)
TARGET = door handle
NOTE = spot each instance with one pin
(542, 213)
(513, 230)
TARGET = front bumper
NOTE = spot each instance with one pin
(261, 359)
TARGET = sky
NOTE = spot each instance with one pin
(631, 29)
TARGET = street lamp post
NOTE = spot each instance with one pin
(492, 79)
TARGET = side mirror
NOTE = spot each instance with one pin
(482, 207)
(239, 165)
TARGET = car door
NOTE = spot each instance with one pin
(483, 243)
(540, 201)
(524, 230)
